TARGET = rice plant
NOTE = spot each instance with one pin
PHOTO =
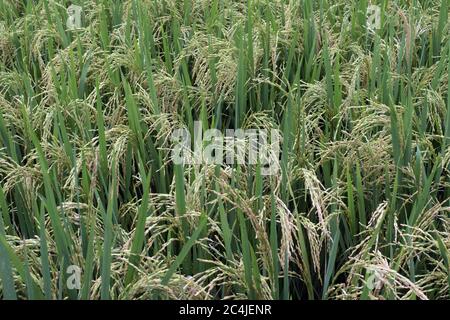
(93, 207)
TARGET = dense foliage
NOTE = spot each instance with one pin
(359, 210)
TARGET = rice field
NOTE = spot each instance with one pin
(92, 205)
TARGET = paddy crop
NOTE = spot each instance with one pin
(92, 205)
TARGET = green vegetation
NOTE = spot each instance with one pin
(360, 209)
